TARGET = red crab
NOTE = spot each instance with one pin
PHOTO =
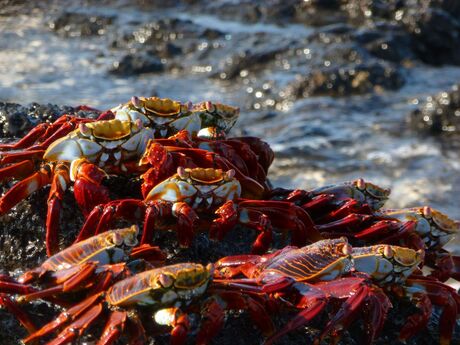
(91, 265)
(164, 296)
(418, 228)
(199, 194)
(353, 209)
(333, 202)
(307, 278)
(90, 152)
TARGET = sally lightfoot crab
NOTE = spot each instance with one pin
(308, 277)
(91, 265)
(85, 151)
(210, 196)
(168, 293)
(419, 228)
(165, 116)
(113, 145)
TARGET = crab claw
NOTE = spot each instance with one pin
(87, 188)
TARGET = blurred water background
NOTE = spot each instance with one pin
(340, 89)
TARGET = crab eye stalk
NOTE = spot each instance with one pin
(84, 129)
(182, 173)
(210, 269)
(427, 212)
(229, 174)
(131, 238)
(117, 239)
(388, 251)
(347, 249)
(138, 124)
(360, 184)
(209, 106)
(165, 280)
(136, 102)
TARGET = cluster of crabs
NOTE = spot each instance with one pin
(349, 259)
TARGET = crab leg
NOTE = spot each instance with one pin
(148, 253)
(28, 139)
(44, 131)
(24, 188)
(52, 134)
(348, 311)
(12, 287)
(78, 327)
(69, 315)
(129, 209)
(352, 221)
(17, 170)
(14, 309)
(350, 206)
(426, 292)
(395, 230)
(59, 184)
(80, 277)
(446, 265)
(88, 190)
(15, 157)
(301, 319)
(287, 216)
(229, 216)
(261, 149)
(186, 217)
(214, 313)
(114, 327)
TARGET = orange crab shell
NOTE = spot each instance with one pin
(189, 184)
(162, 286)
(163, 106)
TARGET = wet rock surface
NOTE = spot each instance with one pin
(357, 79)
(16, 120)
(439, 114)
(74, 24)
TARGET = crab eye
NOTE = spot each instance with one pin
(182, 173)
(135, 101)
(388, 251)
(138, 123)
(347, 249)
(210, 269)
(229, 174)
(360, 184)
(209, 106)
(165, 280)
(84, 129)
(117, 239)
(427, 212)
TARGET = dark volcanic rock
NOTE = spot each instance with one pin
(349, 80)
(137, 63)
(251, 59)
(435, 34)
(439, 114)
(16, 120)
(71, 24)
